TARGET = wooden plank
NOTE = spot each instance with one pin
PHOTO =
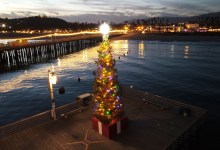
(152, 127)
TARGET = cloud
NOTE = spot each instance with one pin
(94, 18)
(11, 15)
(189, 8)
(120, 10)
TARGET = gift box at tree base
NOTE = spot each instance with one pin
(112, 129)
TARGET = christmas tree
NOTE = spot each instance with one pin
(107, 105)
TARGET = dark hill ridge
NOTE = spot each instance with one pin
(44, 23)
(217, 14)
(38, 23)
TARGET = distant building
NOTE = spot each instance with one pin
(18, 43)
(214, 30)
(192, 26)
(181, 27)
(126, 28)
(203, 29)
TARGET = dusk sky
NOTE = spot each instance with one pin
(110, 10)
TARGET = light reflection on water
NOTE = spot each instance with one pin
(20, 79)
(25, 92)
(141, 49)
(186, 52)
(185, 71)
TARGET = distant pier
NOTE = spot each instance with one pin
(18, 57)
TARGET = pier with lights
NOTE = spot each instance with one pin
(18, 57)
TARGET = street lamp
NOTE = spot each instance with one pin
(52, 79)
(3, 25)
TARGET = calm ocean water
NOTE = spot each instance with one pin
(185, 71)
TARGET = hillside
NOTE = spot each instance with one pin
(43, 23)
(37, 23)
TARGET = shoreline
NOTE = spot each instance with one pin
(166, 37)
(171, 37)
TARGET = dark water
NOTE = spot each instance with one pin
(184, 71)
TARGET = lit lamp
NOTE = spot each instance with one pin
(51, 38)
(52, 79)
(104, 29)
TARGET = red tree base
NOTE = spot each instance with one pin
(111, 129)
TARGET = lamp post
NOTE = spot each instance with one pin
(52, 79)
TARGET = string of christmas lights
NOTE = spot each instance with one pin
(107, 103)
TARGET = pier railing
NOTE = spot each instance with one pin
(21, 57)
(44, 117)
(162, 103)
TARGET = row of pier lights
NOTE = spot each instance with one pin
(52, 78)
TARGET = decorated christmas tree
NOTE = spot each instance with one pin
(107, 105)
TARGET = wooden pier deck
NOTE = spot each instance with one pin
(154, 124)
(61, 39)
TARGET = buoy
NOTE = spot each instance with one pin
(79, 79)
(61, 90)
